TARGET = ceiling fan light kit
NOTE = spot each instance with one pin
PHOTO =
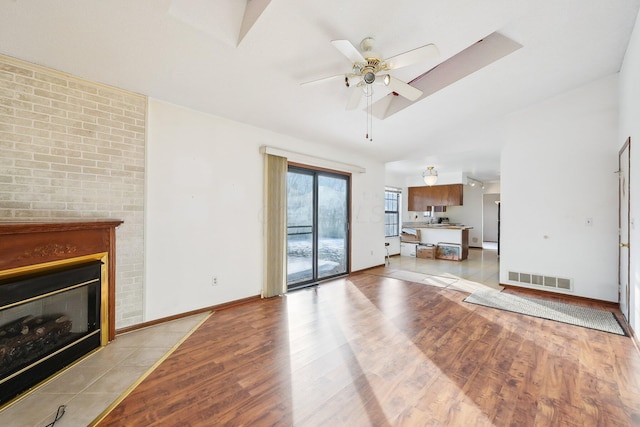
(369, 77)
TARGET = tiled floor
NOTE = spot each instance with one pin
(482, 266)
(90, 386)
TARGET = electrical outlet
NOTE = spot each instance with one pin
(214, 281)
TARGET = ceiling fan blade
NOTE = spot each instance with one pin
(349, 50)
(323, 79)
(417, 55)
(354, 97)
(402, 88)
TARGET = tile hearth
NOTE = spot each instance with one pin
(90, 386)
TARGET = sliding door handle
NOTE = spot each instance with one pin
(624, 245)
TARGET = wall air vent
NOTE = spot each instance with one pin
(541, 281)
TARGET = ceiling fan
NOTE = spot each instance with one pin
(369, 68)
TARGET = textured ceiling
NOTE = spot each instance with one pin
(186, 52)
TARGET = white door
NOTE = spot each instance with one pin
(623, 249)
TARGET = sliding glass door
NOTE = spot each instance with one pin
(300, 227)
(317, 225)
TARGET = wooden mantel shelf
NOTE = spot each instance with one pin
(32, 242)
(39, 225)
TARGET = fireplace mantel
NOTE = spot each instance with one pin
(36, 244)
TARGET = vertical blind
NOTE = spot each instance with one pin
(275, 253)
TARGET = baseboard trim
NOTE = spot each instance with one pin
(218, 307)
(364, 270)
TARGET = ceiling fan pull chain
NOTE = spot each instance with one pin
(370, 121)
(366, 135)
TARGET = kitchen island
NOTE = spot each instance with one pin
(441, 234)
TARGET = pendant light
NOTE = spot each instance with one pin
(430, 176)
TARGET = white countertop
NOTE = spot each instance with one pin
(439, 226)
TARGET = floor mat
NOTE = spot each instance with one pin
(566, 313)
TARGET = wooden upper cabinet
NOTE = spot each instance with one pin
(421, 198)
(454, 194)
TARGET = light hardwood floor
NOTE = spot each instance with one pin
(372, 350)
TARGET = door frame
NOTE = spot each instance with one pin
(348, 177)
(624, 218)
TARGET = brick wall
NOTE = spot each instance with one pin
(70, 148)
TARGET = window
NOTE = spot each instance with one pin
(391, 213)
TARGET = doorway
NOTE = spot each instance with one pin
(317, 225)
(624, 166)
(490, 217)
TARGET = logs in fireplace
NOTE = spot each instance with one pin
(31, 335)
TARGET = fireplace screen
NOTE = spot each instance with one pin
(47, 321)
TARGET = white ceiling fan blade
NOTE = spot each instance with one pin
(349, 50)
(415, 56)
(354, 97)
(323, 79)
(402, 88)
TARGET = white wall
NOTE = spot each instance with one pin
(630, 127)
(470, 213)
(204, 201)
(492, 187)
(557, 170)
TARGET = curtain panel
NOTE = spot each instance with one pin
(275, 226)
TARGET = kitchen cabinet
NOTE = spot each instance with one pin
(446, 235)
(422, 198)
